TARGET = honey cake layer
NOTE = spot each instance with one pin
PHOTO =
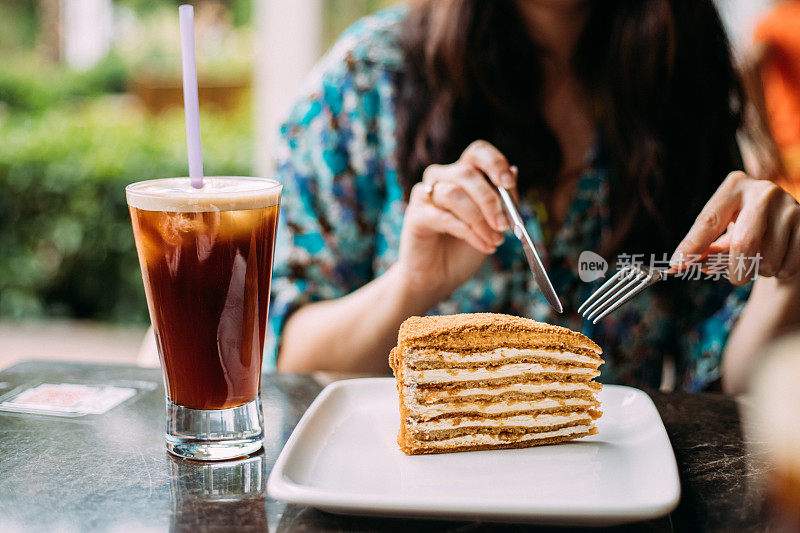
(523, 422)
(528, 390)
(497, 409)
(511, 433)
(487, 331)
(436, 359)
(488, 442)
(511, 371)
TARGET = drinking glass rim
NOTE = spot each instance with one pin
(135, 187)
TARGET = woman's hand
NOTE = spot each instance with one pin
(454, 219)
(761, 220)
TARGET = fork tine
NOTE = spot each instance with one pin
(599, 292)
(643, 284)
(623, 280)
(616, 294)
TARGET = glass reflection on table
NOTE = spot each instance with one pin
(218, 494)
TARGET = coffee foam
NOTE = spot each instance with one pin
(226, 193)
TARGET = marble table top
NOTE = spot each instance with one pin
(111, 472)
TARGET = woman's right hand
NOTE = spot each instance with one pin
(454, 219)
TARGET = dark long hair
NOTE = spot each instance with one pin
(666, 99)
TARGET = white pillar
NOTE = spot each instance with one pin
(287, 43)
(86, 33)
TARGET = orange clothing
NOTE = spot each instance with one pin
(779, 32)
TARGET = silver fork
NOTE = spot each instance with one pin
(621, 287)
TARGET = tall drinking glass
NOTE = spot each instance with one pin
(206, 259)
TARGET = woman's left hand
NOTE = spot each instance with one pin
(763, 230)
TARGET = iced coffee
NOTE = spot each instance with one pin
(206, 260)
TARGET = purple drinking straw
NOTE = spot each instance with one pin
(191, 105)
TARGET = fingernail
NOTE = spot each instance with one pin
(514, 169)
(676, 260)
(498, 239)
(507, 179)
(501, 223)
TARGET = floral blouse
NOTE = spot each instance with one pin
(342, 212)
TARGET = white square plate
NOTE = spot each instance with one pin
(342, 457)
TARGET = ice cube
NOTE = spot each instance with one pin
(241, 223)
(175, 227)
(204, 241)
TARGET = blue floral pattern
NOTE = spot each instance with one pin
(342, 213)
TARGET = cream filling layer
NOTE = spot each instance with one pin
(450, 375)
(410, 391)
(482, 439)
(527, 421)
(496, 355)
(509, 406)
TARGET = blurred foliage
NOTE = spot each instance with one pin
(241, 10)
(71, 141)
(28, 84)
(18, 23)
(339, 14)
(150, 43)
(65, 233)
(146, 6)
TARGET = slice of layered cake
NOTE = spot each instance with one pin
(484, 381)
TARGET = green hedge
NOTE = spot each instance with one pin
(66, 247)
(30, 85)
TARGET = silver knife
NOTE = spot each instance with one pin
(534, 262)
